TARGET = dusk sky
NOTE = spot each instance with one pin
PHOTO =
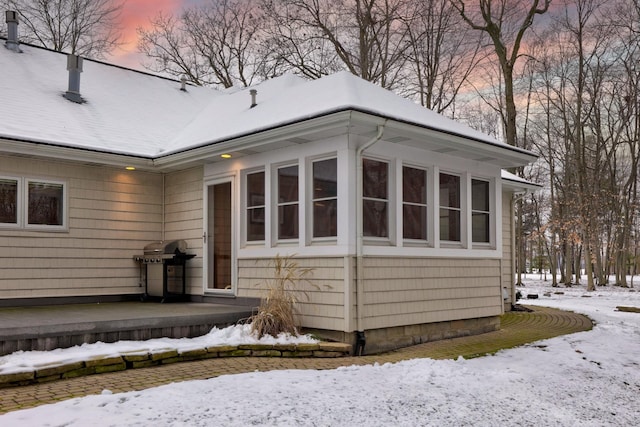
(137, 13)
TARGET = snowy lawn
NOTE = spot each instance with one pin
(585, 379)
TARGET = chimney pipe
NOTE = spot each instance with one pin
(12, 42)
(74, 65)
(183, 83)
(253, 93)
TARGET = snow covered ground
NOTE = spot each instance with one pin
(585, 379)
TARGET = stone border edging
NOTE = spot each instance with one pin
(143, 359)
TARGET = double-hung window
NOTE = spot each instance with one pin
(480, 211)
(450, 208)
(325, 198)
(255, 206)
(414, 203)
(375, 200)
(288, 202)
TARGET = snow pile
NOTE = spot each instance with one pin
(584, 379)
(21, 361)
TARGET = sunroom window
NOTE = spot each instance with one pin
(288, 202)
(325, 198)
(480, 211)
(414, 203)
(449, 208)
(255, 206)
(375, 200)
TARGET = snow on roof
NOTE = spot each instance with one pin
(134, 113)
(517, 181)
(125, 112)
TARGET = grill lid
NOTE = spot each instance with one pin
(165, 248)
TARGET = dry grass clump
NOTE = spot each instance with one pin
(277, 310)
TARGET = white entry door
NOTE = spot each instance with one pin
(219, 246)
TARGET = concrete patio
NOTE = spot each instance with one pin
(60, 326)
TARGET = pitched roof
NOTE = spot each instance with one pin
(134, 113)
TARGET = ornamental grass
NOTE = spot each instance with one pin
(277, 312)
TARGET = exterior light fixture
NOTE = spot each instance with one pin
(225, 156)
(130, 168)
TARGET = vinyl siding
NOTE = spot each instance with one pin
(398, 291)
(113, 213)
(320, 303)
(406, 291)
(184, 219)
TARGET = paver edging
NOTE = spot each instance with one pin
(141, 359)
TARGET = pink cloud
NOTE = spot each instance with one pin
(136, 14)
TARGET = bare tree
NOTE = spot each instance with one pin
(214, 44)
(367, 37)
(442, 55)
(505, 22)
(82, 27)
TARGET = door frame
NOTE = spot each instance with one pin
(206, 265)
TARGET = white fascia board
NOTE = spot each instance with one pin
(56, 152)
(515, 184)
(247, 142)
(507, 155)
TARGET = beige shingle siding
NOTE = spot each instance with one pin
(398, 291)
(112, 215)
(183, 219)
(324, 307)
(405, 291)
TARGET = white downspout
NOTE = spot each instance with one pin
(359, 238)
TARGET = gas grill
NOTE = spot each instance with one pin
(163, 270)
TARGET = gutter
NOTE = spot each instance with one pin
(360, 340)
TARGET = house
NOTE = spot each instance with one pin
(404, 216)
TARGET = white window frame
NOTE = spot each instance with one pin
(427, 205)
(462, 210)
(245, 207)
(65, 205)
(311, 200)
(391, 202)
(277, 204)
(491, 212)
(19, 202)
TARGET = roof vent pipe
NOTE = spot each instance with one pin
(183, 83)
(253, 93)
(12, 42)
(74, 65)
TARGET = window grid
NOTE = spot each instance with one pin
(480, 211)
(255, 206)
(450, 208)
(414, 203)
(325, 198)
(375, 198)
(288, 203)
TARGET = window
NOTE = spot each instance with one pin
(375, 203)
(449, 207)
(288, 202)
(414, 203)
(45, 203)
(8, 201)
(32, 203)
(325, 198)
(480, 211)
(255, 206)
